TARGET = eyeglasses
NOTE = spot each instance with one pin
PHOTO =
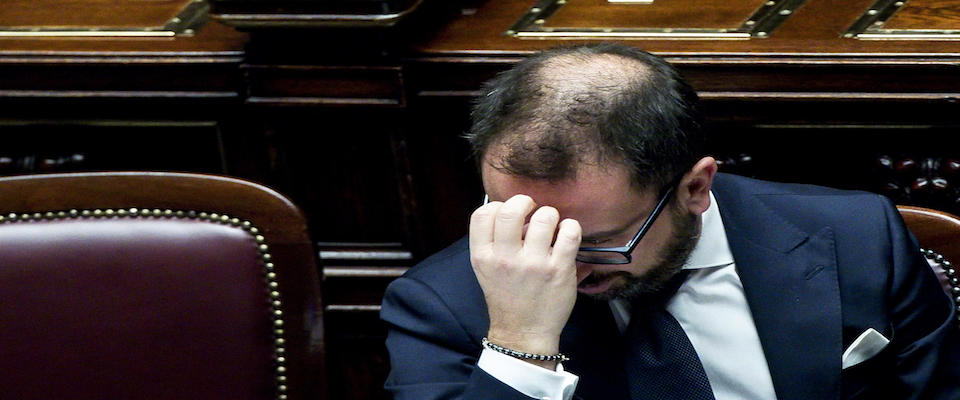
(621, 254)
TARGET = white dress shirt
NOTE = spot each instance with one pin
(712, 309)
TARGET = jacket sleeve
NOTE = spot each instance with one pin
(432, 356)
(925, 327)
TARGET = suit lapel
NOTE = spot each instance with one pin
(790, 281)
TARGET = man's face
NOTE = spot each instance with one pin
(610, 211)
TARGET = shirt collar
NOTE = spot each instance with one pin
(712, 249)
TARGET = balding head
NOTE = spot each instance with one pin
(593, 104)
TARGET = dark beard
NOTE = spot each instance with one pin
(686, 232)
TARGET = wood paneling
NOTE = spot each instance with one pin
(926, 14)
(89, 13)
(658, 14)
(323, 85)
(815, 28)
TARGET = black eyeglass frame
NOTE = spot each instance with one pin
(625, 250)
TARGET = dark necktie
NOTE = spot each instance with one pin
(662, 364)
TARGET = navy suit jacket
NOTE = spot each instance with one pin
(819, 266)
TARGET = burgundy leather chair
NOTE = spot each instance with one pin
(939, 235)
(155, 286)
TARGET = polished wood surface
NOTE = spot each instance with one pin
(213, 42)
(927, 14)
(311, 14)
(814, 29)
(658, 14)
(88, 13)
(935, 230)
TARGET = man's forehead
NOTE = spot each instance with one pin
(593, 192)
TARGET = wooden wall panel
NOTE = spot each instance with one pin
(926, 14)
(89, 13)
(340, 164)
(657, 14)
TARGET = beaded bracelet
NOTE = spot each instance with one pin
(559, 357)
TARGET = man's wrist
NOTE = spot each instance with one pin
(525, 342)
(548, 361)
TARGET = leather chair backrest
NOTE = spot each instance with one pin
(182, 295)
(938, 233)
(935, 230)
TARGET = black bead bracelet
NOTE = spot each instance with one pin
(559, 357)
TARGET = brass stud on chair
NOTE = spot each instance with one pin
(947, 266)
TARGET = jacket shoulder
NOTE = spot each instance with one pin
(804, 204)
(447, 265)
(446, 278)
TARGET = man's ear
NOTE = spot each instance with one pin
(693, 191)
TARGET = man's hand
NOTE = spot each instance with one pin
(529, 280)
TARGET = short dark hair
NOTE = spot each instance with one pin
(639, 112)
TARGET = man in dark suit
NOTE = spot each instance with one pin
(613, 262)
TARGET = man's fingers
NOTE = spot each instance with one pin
(481, 225)
(540, 231)
(508, 224)
(568, 241)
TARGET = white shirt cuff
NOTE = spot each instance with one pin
(531, 380)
